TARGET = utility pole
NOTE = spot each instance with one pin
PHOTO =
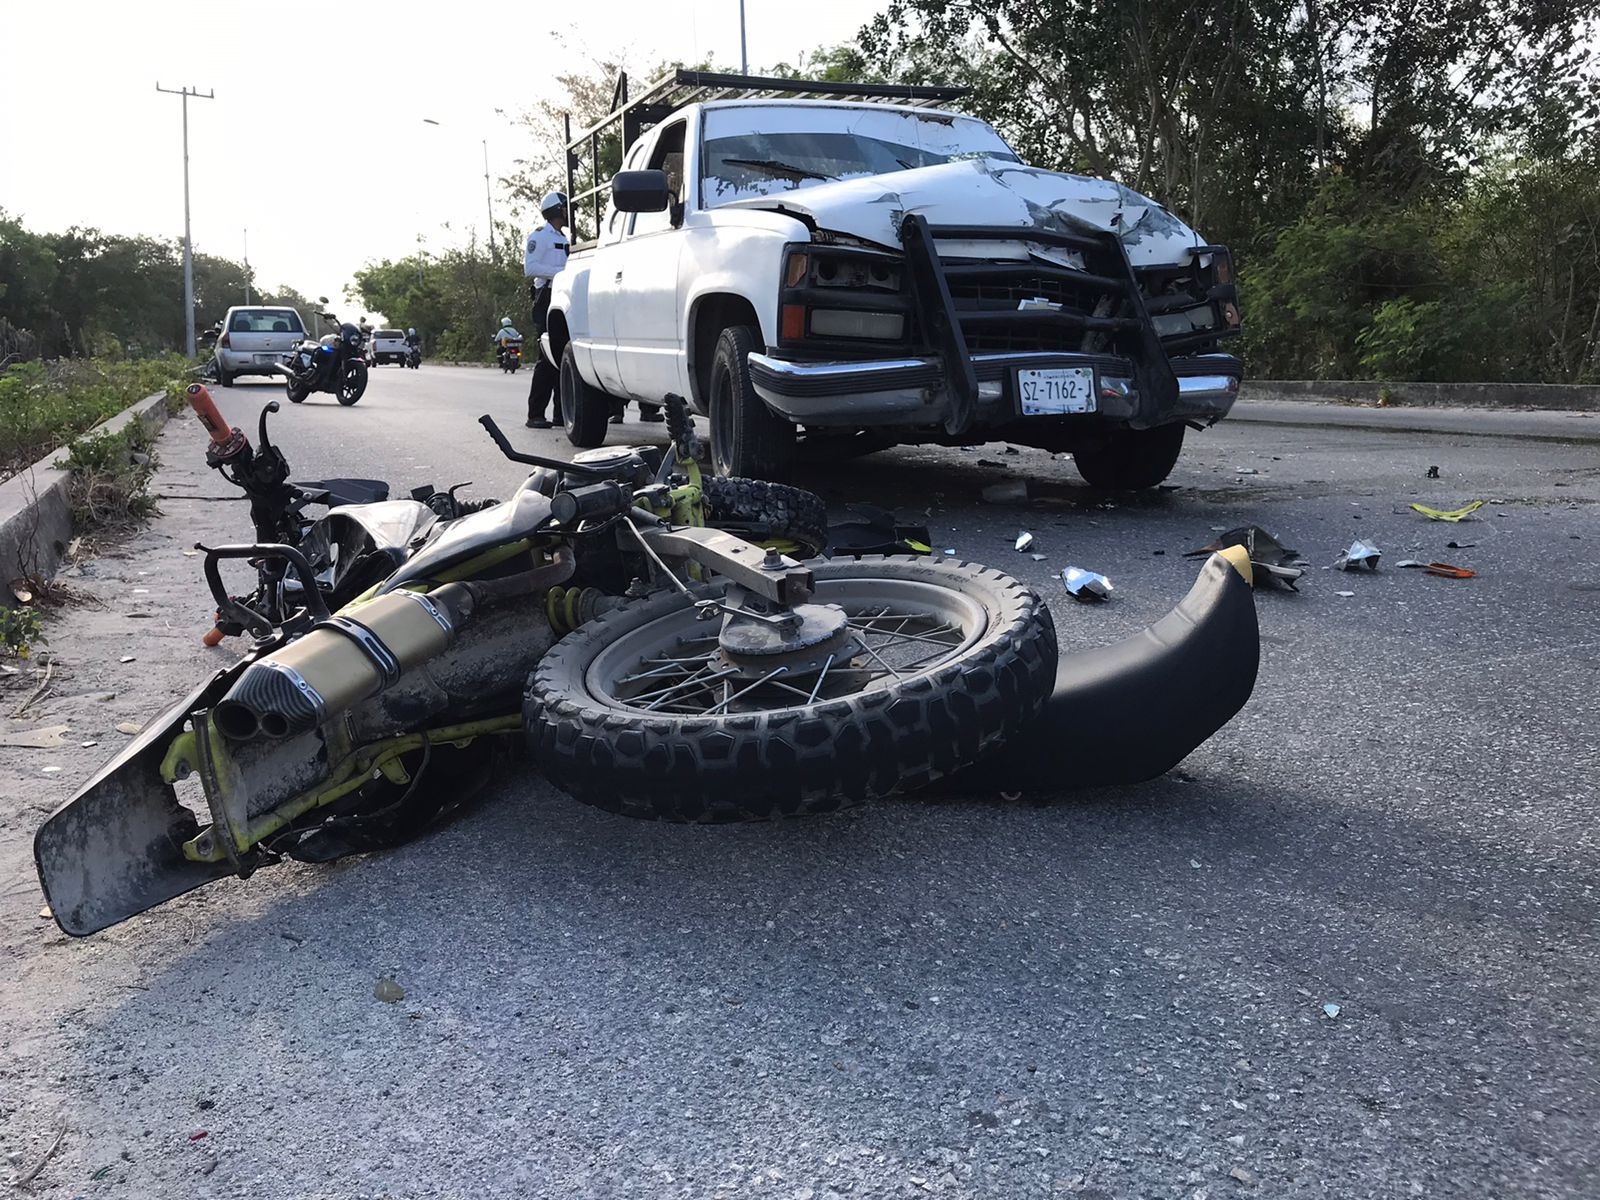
(744, 56)
(188, 245)
(488, 197)
(247, 265)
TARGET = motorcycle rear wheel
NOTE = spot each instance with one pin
(630, 714)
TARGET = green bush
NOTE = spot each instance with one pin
(111, 475)
(45, 405)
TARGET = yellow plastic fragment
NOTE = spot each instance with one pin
(1455, 514)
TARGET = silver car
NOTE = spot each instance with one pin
(255, 340)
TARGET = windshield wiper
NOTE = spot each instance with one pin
(776, 167)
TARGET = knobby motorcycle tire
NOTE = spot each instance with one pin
(763, 512)
(812, 758)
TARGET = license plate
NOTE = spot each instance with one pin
(266, 358)
(1056, 391)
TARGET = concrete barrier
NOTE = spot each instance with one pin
(35, 516)
(1567, 397)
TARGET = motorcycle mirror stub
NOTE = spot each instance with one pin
(640, 191)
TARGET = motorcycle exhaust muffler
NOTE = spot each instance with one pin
(341, 662)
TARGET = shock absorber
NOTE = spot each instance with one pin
(567, 608)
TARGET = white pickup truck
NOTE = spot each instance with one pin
(865, 274)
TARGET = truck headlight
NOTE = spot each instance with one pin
(1189, 320)
(850, 323)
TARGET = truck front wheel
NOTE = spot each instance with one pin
(747, 438)
(1130, 459)
(585, 410)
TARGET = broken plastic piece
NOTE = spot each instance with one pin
(1361, 554)
(1086, 585)
(1024, 540)
(1452, 515)
(873, 530)
(1274, 562)
(1443, 570)
(46, 738)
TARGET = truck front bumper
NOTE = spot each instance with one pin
(915, 391)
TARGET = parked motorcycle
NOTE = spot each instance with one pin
(336, 363)
(510, 357)
(649, 636)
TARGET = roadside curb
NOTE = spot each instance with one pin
(1378, 394)
(35, 518)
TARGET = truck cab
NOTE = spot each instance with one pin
(851, 269)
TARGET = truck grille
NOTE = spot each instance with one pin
(986, 288)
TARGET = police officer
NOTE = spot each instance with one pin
(544, 256)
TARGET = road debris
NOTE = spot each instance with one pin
(1274, 562)
(32, 1172)
(1086, 585)
(1038, 557)
(198, 1134)
(1433, 472)
(1024, 540)
(1452, 515)
(129, 727)
(1347, 595)
(1460, 545)
(126, 658)
(1245, 471)
(387, 990)
(1443, 570)
(1012, 491)
(45, 738)
(873, 530)
(1331, 1011)
(1242, 1176)
(44, 686)
(1361, 554)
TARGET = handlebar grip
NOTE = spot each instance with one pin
(206, 409)
(593, 500)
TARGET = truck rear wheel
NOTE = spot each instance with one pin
(585, 410)
(1130, 459)
(747, 438)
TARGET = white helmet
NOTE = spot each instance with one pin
(411, 332)
(551, 202)
(505, 322)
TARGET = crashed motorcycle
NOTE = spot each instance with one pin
(658, 643)
(336, 364)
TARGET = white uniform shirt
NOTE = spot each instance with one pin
(507, 333)
(545, 254)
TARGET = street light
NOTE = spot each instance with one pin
(188, 245)
(488, 194)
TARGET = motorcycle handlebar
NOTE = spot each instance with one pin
(593, 500)
(533, 460)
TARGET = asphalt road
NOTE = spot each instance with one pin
(1348, 949)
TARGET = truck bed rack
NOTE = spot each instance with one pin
(631, 116)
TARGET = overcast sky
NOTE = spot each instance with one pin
(315, 142)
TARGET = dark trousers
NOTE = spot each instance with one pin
(543, 385)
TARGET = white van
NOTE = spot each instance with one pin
(255, 340)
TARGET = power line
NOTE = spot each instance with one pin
(188, 245)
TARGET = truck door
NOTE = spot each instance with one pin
(605, 285)
(650, 355)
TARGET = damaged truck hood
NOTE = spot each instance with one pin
(991, 192)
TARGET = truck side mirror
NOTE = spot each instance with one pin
(640, 191)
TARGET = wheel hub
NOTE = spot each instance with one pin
(802, 640)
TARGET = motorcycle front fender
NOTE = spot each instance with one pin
(1131, 711)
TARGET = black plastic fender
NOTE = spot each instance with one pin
(1128, 712)
(116, 848)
